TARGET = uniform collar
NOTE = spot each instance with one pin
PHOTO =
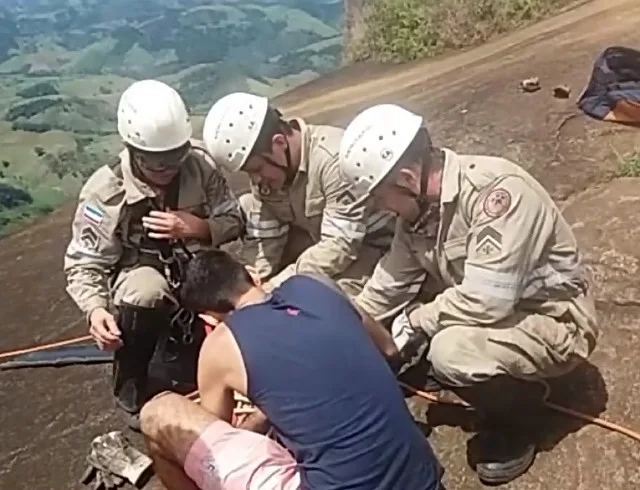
(135, 190)
(305, 143)
(450, 177)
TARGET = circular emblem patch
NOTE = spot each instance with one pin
(264, 190)
(386, 154)
(497, 203)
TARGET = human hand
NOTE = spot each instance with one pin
(104, 330)
(253, 272)
(174, 224)
(401, 330)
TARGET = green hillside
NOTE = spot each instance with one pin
(64, 64)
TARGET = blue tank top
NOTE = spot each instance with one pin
(316, 374)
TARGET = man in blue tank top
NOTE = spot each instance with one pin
(315, 368)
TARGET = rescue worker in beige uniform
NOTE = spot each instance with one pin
(301, 215)
(513, 303)
(135, 224)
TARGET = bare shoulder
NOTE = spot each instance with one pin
(220, 358)
(215, 347)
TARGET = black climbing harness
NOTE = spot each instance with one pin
(162, 255)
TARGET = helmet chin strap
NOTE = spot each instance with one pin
(287, 169)
(428, 209)
(289, 172)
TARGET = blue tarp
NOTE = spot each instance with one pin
(613, 92)
(60, 356)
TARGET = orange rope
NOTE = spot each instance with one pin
(567, 411)
(28, 350)
(422, 394)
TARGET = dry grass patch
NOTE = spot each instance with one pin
(404, 30)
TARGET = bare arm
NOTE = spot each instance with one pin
(219, 377)
(214, 369)
(378, 333)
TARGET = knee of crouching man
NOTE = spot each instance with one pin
(154, 412)
(447, 359)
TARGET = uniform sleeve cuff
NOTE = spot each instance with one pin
(215, 231)
(221, 231)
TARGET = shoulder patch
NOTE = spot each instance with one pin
(497, 202)
(488, 241)
(264, 190)
(89, 238)
(93, 213)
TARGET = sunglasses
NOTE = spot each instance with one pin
(160, 162)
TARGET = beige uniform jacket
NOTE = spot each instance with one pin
(502, 245)
(107, 233)
(320, 202)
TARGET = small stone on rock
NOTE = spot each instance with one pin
(530, 84)
(561, 91)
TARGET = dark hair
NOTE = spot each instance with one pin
(420, 148)
(420, 144)
(273, 124)
(213, 280)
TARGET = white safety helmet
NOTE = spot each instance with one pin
(232, 126)
(153, 117)
(374, 142)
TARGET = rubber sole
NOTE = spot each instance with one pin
(499, 478)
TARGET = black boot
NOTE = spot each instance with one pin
(510, 413)
(140, 329)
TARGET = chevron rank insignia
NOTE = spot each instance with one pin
(488, 241)
(346, 198)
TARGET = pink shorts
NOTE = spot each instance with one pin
(227, 458)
